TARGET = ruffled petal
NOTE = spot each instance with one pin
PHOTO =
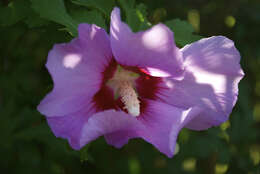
(153, 50)
(210, 83)
(109, 123)
(77, 71)
(159, 125)
(120, 138)
(216, 54)
(70, 126)
(162, 123)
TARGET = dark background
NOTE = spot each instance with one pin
(28, 146)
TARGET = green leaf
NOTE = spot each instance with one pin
(35, 21)
(131, 16)
(84, 155)
(39, 132)
(241, 129)
(55, 10)
(135, 16)
(105, 6)
(14, 12)
(90, 17)
(183, 32)
(141, 11)
(127, 4)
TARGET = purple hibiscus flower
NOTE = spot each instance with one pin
(138, 85)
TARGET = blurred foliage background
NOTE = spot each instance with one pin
(28, 30)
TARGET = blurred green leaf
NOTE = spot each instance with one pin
(55, 10)
(14, 12)
(141, 11)
(39, 132)
(135, 16)
(29, 154)
(224, 153)
(127, 4)
(84, 154)
(90, 17)
(183, 32)
(241, 121)
(35, 21)
(105, 6)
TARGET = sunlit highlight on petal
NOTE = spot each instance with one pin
(218, 81)
(71, 60)
(156, 35)
(157, 72)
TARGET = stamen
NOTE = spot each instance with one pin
(123, 83)
(129, 98)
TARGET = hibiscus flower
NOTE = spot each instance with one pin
(138, 85)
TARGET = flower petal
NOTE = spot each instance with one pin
(154, 49)
(162, 124)
(121, 137)
(76, 69)
(109, 122)
(216, 54)
(159, 125)
(70, 126)
(210, 83)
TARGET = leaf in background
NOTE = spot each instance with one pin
(183, 32)
(7, 124)
(135, 16)
(242, 120)
(105, 6)
(127, 4)
(90, 17)
(131, 16)
(39, 132)
(158, 15)
(84, 155)
(141, 11)
(35, 21)
(55, 10)
(14, 12)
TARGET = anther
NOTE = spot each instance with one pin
(129, 98)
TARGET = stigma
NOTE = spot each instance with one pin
(123, 84)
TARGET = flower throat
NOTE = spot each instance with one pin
(123, 84)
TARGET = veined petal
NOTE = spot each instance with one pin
(159, 125)
(153, 50)
(210, 83)
(109, 122)
(162, 124)
(216, 54)
(120, 138)
(76, 69)
(70, 126)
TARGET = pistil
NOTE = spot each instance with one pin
(123, 85)
(129, 98)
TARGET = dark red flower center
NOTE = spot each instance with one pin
(145, 86)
